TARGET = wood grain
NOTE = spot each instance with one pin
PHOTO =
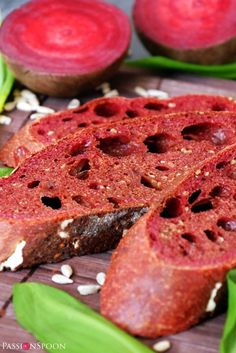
(204, 338)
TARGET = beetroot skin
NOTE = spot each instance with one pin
(61, 47)
(195, 31)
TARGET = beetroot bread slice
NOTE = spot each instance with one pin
(188, 31)
(184, 245)
(37, 135)
(77, 196)
(61, 48)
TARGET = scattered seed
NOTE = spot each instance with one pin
(66, 270)
(100, 278)
(37, 116)
(44, 110)
(171, 105)
(50, 133)
(198, 172)
(86, 289)
(112, 93)
(207, 174)
(5, 120)
(162, 346)
(60, 279)
(9, 106)
(157, 93)
(233, 162)
(104, 86)
(74, 103)
(27, 94)
(141, 91)
(25, 106)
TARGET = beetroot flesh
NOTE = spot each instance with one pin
(66, 39)
(55, 36)
(180, 29)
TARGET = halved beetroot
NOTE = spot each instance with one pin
(196, 31)
(61, 47)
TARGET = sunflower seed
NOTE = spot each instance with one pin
(141, 91)
(66, 270)
(60, 279)
(9, 106)
(5, 120)
(74, 103)
(44, 110)
(37, 116)
(157, 93)
(112, 93)
(25, 106)
(100, 278)
(86, 289)
(162, 346)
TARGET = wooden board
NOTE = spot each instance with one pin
(203, 338)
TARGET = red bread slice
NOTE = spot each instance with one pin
(77, 196)
(43, 132)
(61, 48)
(188, 30)
(169, 270)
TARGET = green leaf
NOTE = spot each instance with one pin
(161, 62)
(228, 341)
(53, 316)
(5, 171)
(6, 86)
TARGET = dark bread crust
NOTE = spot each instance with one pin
(164, 294)
(54, 200)
(102, 110)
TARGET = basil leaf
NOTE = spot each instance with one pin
(228, 341)
(5, 171)
(53, 316)
(161, 62)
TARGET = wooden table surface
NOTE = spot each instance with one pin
(204, 338)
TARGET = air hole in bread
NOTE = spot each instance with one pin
(159, 143)
(173, 208)
(78, 148)
(211, 235)
(113, 201)
(79, 200)
(82, 125)
(193, 197)
(132, 113)
(220, 191)
(207, 131)
(33, 184)
(221, 165)
(41, 132)
(227, 224)
(53, 202)
(118, 146)
(218, 107)
(154, 106)
(94, 186)
(162, 168)
(189, 237)
(81, 169)
(202, 206)
(65, 120)
(80, 110)
(148, 182)
(107, 109)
